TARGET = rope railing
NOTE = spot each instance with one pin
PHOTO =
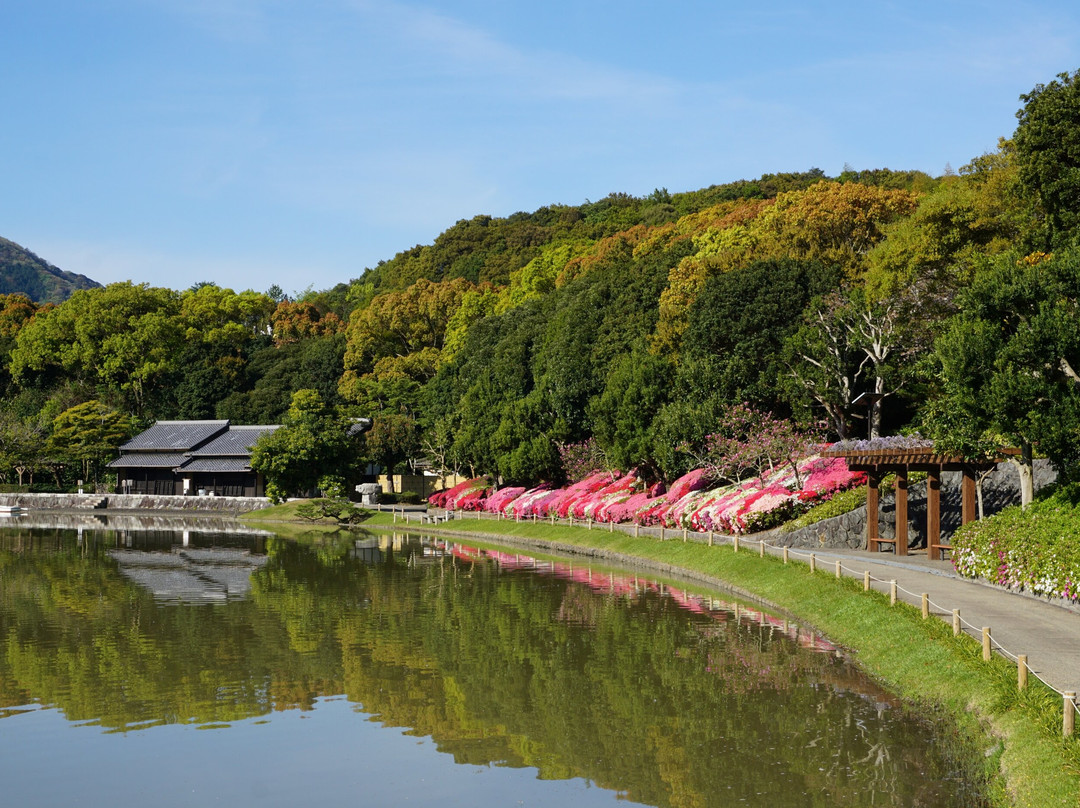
(990, 644)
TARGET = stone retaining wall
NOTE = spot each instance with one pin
(134, 502)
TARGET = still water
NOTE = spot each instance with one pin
(191, 668)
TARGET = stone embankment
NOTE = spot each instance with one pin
(134, 502)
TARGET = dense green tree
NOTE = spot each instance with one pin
(88, 434)
(741, 320)
(1007, 365)
(623, 416)
(22, 446)
(1047, 143)
(124, 337)
(392, 439)
(314, 441)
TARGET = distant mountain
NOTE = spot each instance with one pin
(22, 271)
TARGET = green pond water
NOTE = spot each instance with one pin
(191, 668)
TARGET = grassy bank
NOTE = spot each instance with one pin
(1017, 734)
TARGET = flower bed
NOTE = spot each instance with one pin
(1034, 550)
(688, 503)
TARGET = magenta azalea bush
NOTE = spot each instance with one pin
(693, 501)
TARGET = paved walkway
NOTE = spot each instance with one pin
(1047, 632)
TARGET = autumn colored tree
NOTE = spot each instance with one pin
(831, 222)
(405, 332)
(292, 322)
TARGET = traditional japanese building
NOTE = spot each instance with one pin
(189, 458)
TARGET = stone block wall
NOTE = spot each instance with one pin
(134, 502)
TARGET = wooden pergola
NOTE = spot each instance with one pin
(901, 462)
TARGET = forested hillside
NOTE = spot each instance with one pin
(629, 325)
(22, 272)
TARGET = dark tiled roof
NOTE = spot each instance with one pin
(359, 426)
(235, 442)
(215, 464)
(175, 436)
(155, 460)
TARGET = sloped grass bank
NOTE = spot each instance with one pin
(1018, 734)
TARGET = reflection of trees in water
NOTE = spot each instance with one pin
(627, 690)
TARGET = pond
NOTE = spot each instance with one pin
(141, 664)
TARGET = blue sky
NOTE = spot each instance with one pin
(253, 142)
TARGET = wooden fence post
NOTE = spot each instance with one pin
(813, 563)
(762, 553)
(925, 605)
(735, 542)
(986, 643)
(1021, 672)
(956, 622)
(839, 569)
(785, 555)
(866, 581)
(1068, 717)
(710, 538)
(892, 592)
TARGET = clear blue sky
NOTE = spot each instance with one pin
(253, 142)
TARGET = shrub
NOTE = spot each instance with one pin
(340, 510)
(1033, 550)
(841, 503)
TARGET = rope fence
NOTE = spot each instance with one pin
(1070, 707)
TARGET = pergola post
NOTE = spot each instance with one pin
(901, 512)
(933, 514)
(967, 496)
(872, 499)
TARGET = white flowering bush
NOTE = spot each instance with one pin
(1036, 551)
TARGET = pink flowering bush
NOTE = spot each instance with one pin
(498, 501)
(452, 498)
(691, 502)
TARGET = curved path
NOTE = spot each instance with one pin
(1047, 631)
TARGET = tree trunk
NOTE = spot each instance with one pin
(875, 408)
(1025, 474)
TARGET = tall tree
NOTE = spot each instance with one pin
(1047, 142)
(313, 442)
(87, 434)
(1008, 365)
(124, 337)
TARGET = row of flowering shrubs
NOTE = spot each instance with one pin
(690, 502)
(1034, 550)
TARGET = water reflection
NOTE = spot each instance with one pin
(665, 696)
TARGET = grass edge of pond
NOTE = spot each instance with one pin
(1017, 734)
